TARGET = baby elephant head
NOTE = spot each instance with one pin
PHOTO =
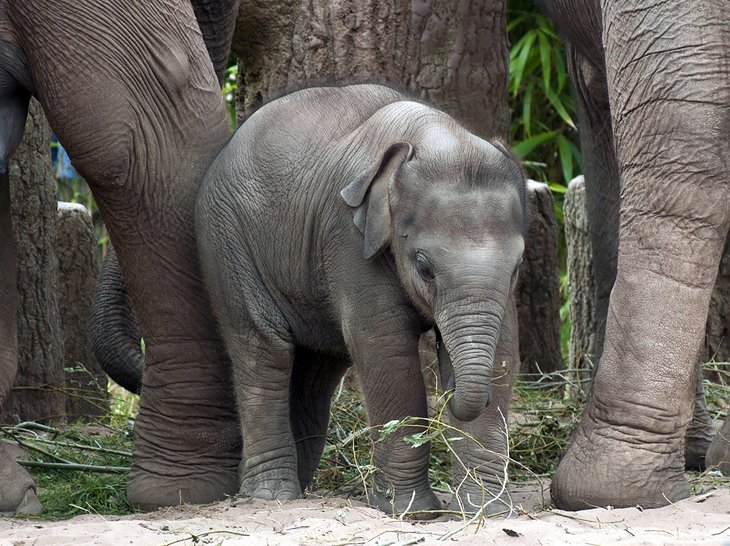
(450, 208)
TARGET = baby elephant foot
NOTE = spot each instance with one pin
(279, 489)
(420, 503)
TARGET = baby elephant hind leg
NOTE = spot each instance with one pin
(262, 365)
(314, 380)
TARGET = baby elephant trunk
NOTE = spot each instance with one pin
(468, 336)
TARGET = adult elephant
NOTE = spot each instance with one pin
(653, 83)
(130, 91)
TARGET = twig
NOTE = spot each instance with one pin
(83, 447)
(41, 451)
(196, 538)
(76, 467)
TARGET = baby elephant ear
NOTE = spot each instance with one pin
(368, 194)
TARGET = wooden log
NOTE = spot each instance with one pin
(581, 285)
(76, 249)
(538, 288)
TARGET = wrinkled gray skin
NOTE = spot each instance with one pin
(130, 91)
(336, 226)
(17, 493)
(653, 87)
(115, 336)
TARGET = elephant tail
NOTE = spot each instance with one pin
(115, 336)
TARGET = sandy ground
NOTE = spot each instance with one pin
(703, 519)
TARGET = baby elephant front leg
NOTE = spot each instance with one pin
(392, 384)
(262, 371)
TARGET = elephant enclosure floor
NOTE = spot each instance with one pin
(701, 519)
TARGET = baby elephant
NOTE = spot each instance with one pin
(336, 227)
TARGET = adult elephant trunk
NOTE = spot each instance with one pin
(468, 332)
(115, 336)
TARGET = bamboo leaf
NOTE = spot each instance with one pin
(557, 188)
(527, 108)
(523, 148)
(560, 69)
(560, 108)
(544, 47)
(524, 46)
(566, 157)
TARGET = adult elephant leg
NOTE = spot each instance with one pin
(314, 380)
(8, 294)
(140, 113)
(700, 431)
(480, 457)
(602, 178)
(669, 89)
(385, 350)
(718, 455)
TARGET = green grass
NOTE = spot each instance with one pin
(102, 446)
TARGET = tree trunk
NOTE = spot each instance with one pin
(451, 53)
(76, 249)
(538, 288)
(38, 390)
(580, 278)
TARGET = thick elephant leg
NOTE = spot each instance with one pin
(18, 493)
(628, 448)
(8, 295)
(480, 456)
(700, 431)
(142, 130)
(601, 176)
(262, 374)
(718, 455)
(314, 380)
(388, 365)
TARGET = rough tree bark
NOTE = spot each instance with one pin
(538, 288)
(37, 393)
(580, 277)
(451, 53)
(78, 267)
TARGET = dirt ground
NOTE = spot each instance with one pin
(703, 519)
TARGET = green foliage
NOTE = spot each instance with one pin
(543, 131)
(98, 487)
(229, 89)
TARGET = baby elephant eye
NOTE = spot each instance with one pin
(425, 271)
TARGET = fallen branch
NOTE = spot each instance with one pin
(76, 467)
